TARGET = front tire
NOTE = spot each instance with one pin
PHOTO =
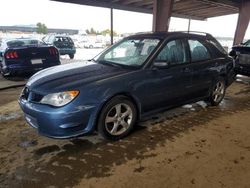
(218, 92)
(117, 118)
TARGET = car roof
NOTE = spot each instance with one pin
(163, 35)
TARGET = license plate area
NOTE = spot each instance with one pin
(36, 61)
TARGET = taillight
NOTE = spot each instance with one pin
(53, 51)
(11, 55)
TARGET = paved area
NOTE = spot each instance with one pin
(191, 146)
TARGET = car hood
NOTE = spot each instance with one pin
(70, 76)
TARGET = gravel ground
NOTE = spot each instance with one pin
(191, 146)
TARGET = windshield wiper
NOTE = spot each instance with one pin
(109, 63)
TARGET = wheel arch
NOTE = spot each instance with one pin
(122, 94)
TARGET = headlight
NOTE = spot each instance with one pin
(59, 99)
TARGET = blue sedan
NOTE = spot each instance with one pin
(140, 75)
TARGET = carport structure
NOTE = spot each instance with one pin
(162, 10)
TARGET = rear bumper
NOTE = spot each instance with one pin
(64, 51)
(24, 67)
(58, 122)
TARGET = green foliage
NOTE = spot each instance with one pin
(108, 32)
(41, 28)
(92, 31)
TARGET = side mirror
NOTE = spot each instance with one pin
(161, 64)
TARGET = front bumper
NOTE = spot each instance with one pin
(64, 122)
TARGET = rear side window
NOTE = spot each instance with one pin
(218, 46)
(198, 51)
(174, 53)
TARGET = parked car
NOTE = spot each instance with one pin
(138, 76)
(93, 44)
(22, 55)
(64, 44)
(241, 54)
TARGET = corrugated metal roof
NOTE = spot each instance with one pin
(195, 9)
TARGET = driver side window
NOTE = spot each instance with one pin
(174, 53)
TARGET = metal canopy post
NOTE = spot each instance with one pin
(189, 24)
(162, 10)
(111, 27)
(243, 22)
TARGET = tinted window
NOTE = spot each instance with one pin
(218, 46)
(63, 39)
(174, 53)
(198, 51)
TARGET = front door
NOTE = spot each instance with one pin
(169, 85)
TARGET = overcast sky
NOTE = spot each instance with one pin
(71, 16)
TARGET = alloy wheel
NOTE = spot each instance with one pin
(118, 119)
(218, 92)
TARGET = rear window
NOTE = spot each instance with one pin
(64, 40)
(198, 51)
(218, 46)
(23, 42)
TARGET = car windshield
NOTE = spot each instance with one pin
(23, 42)
(129, 52)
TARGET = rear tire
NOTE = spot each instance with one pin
(117, 118)
(5, 75)
(218, 92)
(71, 56)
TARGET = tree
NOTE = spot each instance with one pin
(41, 28)
(108, 32)
(92, 31)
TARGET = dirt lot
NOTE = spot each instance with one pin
(191, 146)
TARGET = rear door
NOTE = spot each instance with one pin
(202, 66)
